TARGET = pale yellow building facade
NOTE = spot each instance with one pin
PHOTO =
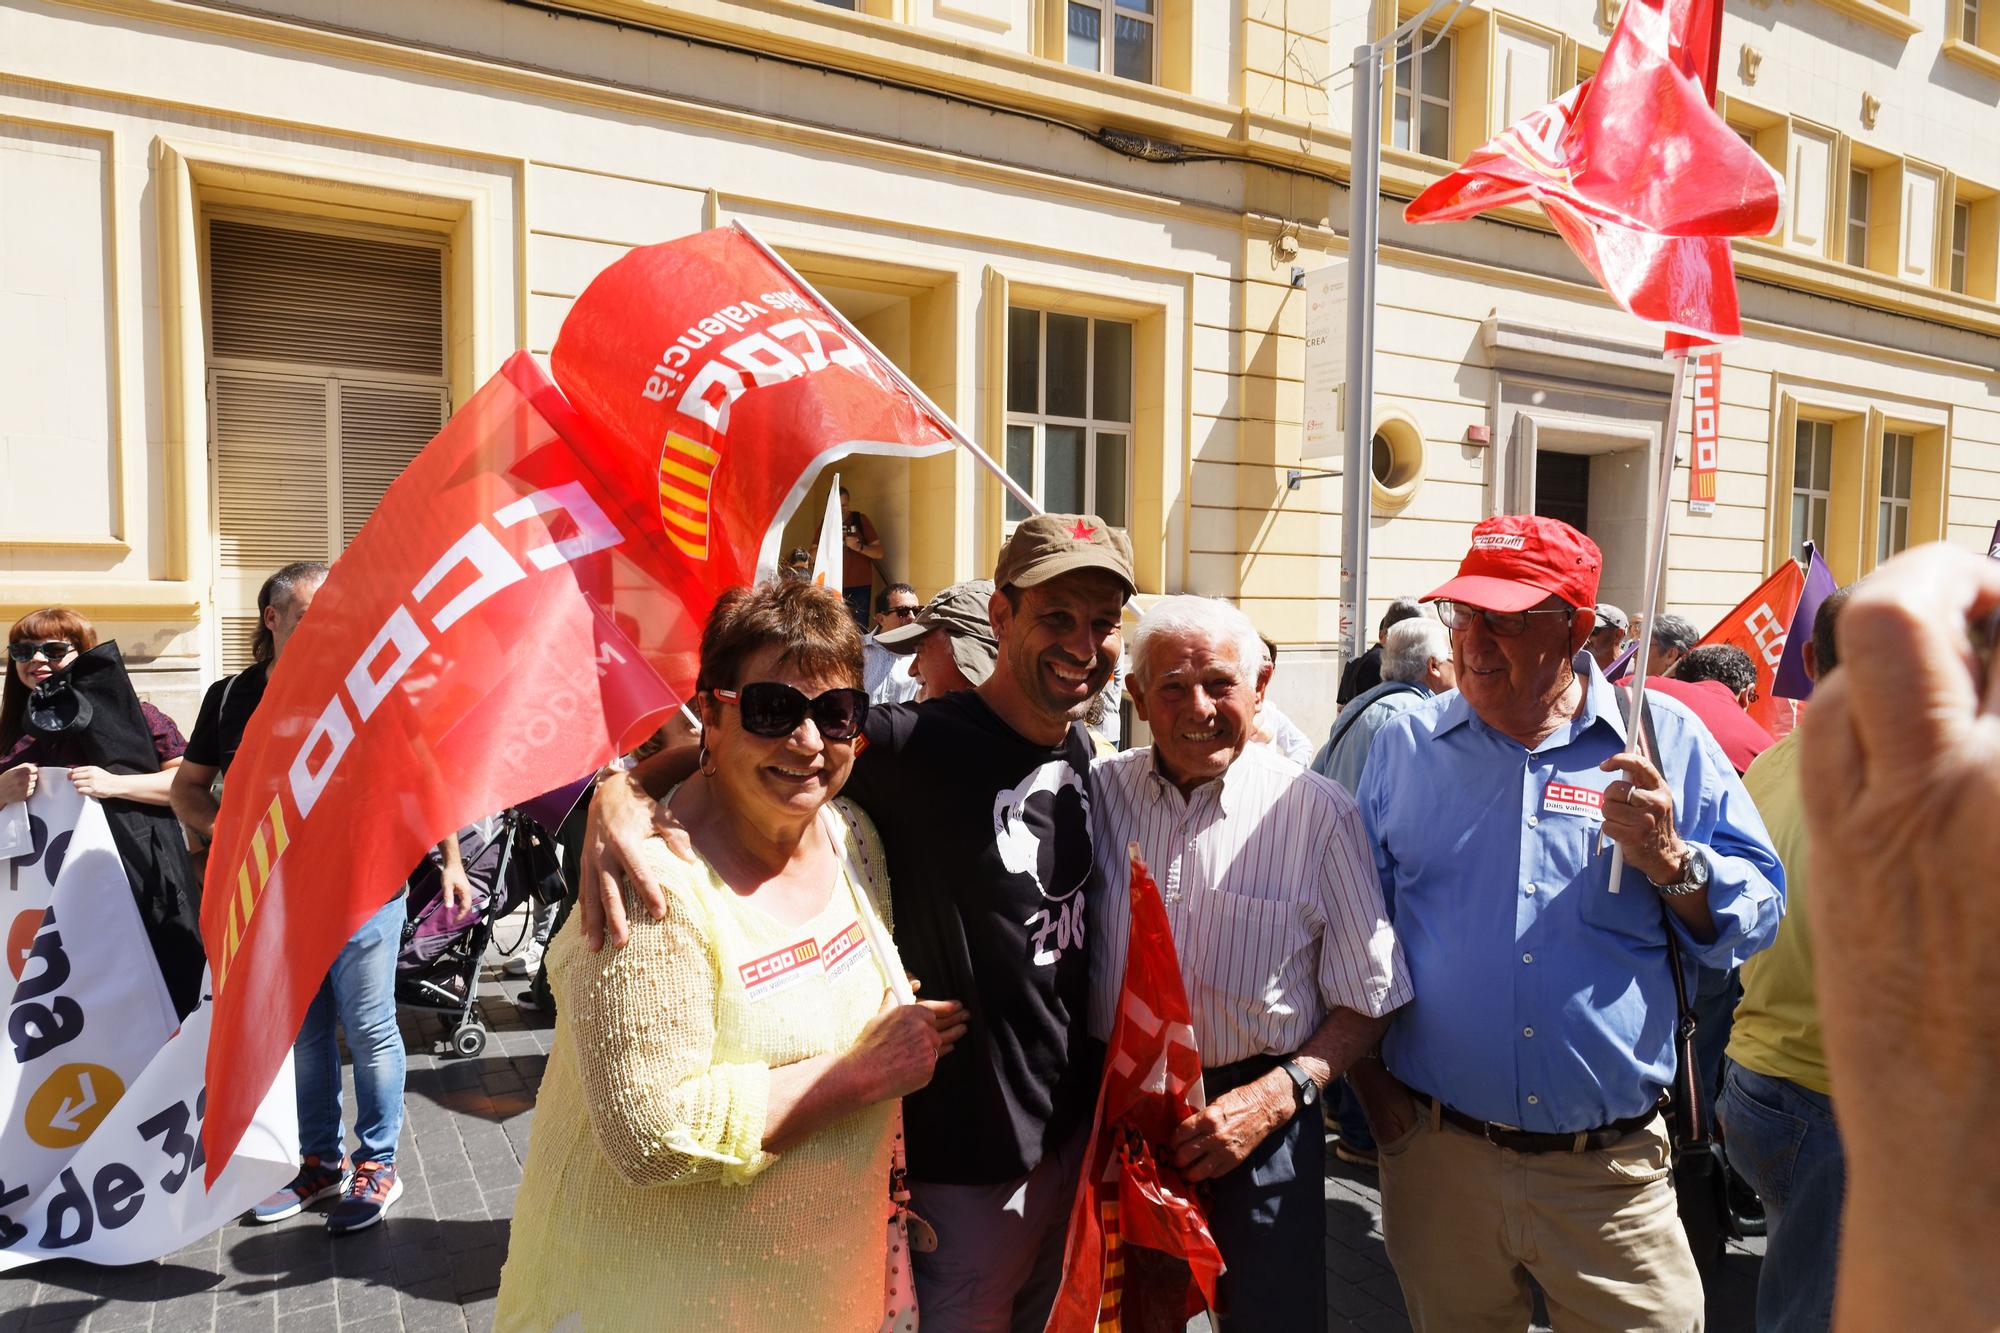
(250, 255)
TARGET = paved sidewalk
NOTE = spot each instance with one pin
(434, 1263)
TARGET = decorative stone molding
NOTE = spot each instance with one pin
(1752, 58)
(1871, 107)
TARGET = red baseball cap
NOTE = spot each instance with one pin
(1516, 560)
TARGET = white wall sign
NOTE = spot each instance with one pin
(1326, 359)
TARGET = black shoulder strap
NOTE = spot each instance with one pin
(1350, 715)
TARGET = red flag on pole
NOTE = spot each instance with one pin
(1636, 171)
(1130, 1194)
(1758, 625)
(527, 599)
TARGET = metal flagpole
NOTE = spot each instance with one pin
(846, 327)
(1656, 574)
(1364, 226)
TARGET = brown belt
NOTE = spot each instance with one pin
(1523, 1140)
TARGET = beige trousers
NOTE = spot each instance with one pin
(1467, 1223)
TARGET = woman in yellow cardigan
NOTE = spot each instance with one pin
(712, 1138)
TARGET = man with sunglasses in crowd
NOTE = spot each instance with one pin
(982, 798)
(1515, 1100)
(884, 672)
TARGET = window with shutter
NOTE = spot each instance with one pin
(382, 426)
(326, 376)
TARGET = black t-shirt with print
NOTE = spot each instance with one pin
(988, 838)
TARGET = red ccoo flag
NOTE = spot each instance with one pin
(524, 603)
(1758, 625)
(1130, 1194)
(1636, 171)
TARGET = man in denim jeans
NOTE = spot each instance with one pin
(1775, 1108)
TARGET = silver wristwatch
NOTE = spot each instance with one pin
(1694, 876)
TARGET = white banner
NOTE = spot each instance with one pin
(101, 1095)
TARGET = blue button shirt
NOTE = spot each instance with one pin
(1543, 999)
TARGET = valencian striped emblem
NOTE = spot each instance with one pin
(687, 474)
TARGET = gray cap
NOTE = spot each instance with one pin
(1607, 614)
(960, 611)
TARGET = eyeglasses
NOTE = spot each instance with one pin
(53, 649)
(904, 611)
(1501, 624)
(772, 710)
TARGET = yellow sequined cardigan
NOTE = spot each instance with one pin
(647, 1201)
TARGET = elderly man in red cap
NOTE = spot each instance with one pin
(1515, 1101)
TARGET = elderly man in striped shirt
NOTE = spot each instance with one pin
(1285, 947)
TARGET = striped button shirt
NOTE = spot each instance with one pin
(1269, 888)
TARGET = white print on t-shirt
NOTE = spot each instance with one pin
(1060, 925)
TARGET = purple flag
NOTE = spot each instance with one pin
(1994, 549)
(1791, 681)
(552, 807)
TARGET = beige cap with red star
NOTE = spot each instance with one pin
(1049, 545)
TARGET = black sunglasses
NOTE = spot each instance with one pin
(53, 649)
(772, 710)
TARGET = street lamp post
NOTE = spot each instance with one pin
(1363, 237)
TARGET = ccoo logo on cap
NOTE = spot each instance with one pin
(1517, 560)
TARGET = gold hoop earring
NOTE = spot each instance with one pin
(702, 760)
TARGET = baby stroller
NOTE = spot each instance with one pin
(508, 858)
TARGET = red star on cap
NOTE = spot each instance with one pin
(1083, 532)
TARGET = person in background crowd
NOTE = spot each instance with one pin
(799, 564)
(1903, 746)
(1723, 663)
(1105, 718)
(982, 800)
(1416, 664)
(1238, 835)
(1673, 636)
(1607, 635)
(712, 1139)
(358, 992)
(1776, 1107)
(1516, 1110)
(950, 641)
(1718, 682)
(1271, 726)
(1364, 673)
(68, 703)
(864, 548)
(895, 606)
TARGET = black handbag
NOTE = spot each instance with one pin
(1701, 1181)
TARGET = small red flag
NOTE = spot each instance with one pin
(1758, 625)
(1130, 1194)
(527, 598)
(1636, 171)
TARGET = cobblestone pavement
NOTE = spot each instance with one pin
(434, 1263)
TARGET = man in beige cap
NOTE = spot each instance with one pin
(982, 798)
(951, 639)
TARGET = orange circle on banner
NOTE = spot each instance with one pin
(66, 1109)
(20, 939)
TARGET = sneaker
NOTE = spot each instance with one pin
(527, 1003)
(1353, 1155)
(522, 964)
(369, 1194)
(315, 1181)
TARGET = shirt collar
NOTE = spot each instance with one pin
(1225, 789)
(1600, 703)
